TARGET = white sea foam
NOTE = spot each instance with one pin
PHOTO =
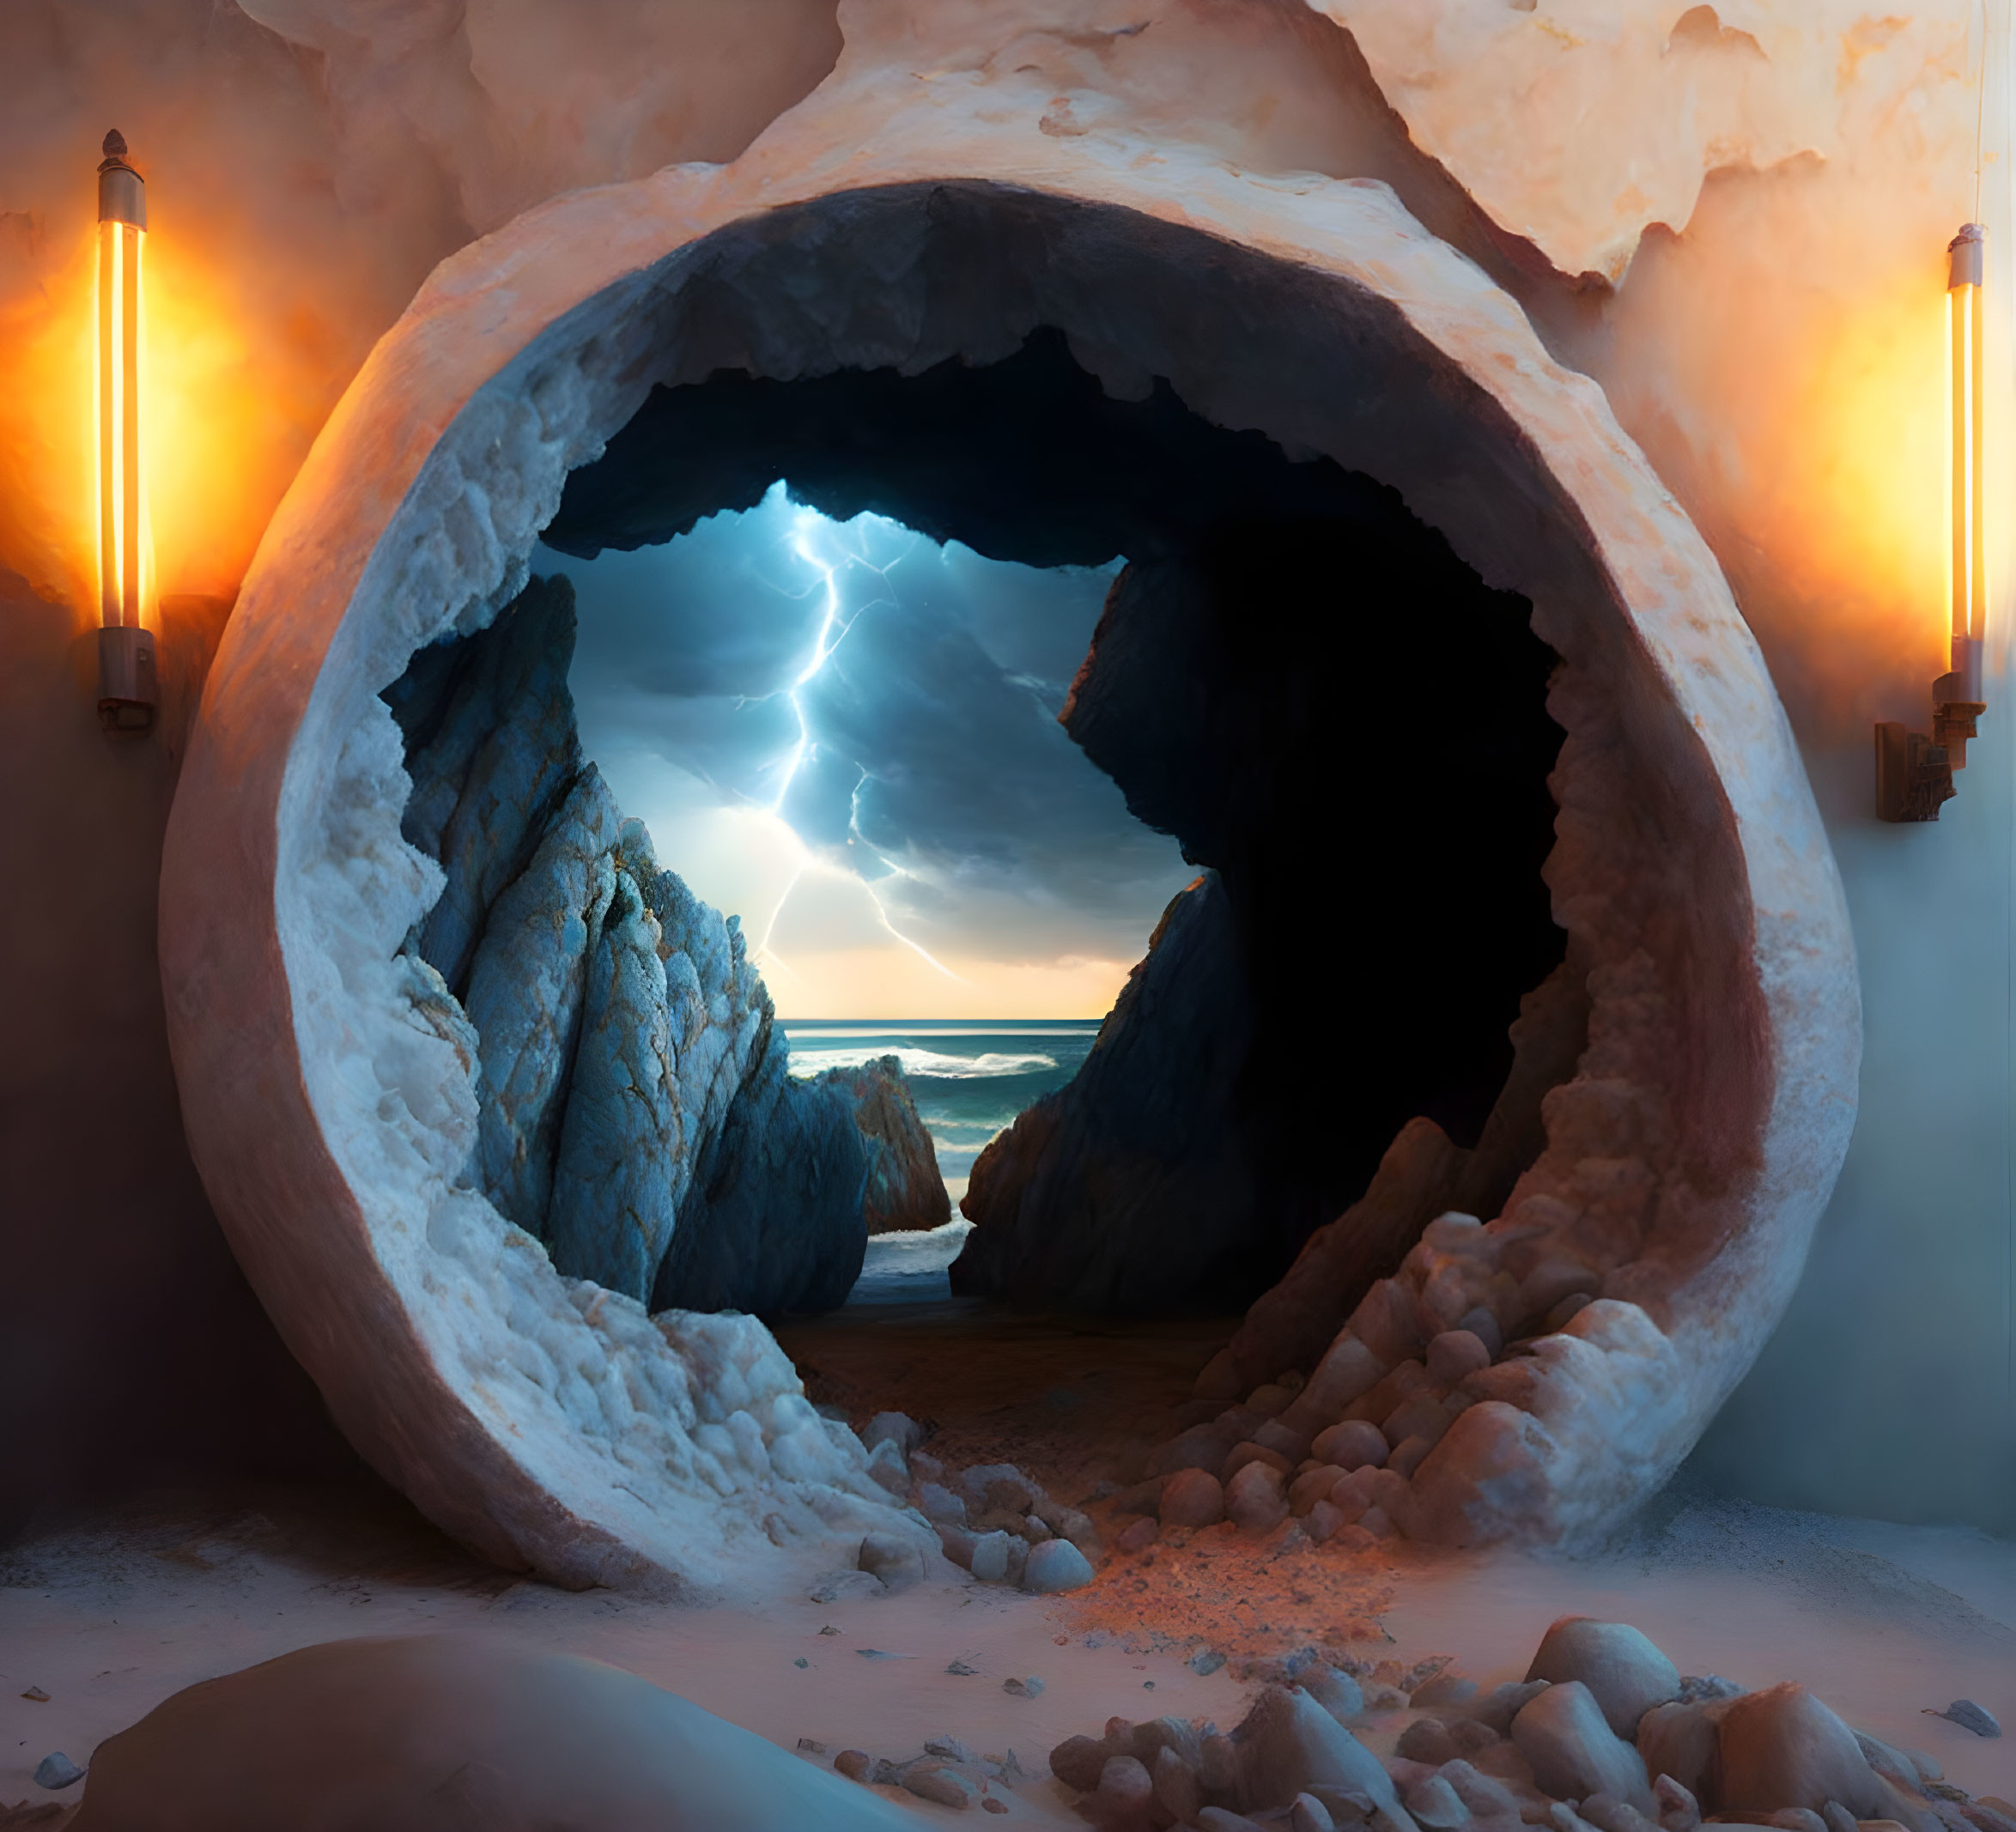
(923, 1061)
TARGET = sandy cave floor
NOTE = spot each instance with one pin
(111, 1612)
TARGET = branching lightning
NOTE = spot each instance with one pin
(835, 621)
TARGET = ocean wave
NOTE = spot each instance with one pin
(929, 1063)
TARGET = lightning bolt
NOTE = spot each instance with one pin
(805, 543)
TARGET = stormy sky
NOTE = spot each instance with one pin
(848, 736)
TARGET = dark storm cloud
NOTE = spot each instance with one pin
(923, 750)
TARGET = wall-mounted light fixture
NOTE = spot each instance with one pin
(127, 688)
(1915, 769)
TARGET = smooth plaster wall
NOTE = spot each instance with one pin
(131, 1349)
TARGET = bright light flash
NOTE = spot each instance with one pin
(821, 544)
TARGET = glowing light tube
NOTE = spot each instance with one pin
(127, 691)
(1969, 558)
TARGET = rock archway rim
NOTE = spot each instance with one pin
(557, 1428)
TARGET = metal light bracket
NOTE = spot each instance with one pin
(1915, 771)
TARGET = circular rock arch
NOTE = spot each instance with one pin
(328, 1092)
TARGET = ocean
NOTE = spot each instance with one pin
(969, 1078)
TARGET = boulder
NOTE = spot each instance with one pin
(1287, 1743)
(1192, 1498)
(1679, 1740)
(1782, 1747)
(416, 1733)
(1254, 1500)
(1625, 1674)
(904, 1189)
(1351, 1444)
(1562, 1733)
(1055, 1565)
(898, 1563)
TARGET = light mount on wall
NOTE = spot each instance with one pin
(127, 686)
(1915, 769)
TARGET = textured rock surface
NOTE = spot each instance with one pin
(331, 1121)
(1129, 1188)
(904, 1190)
(424, 1732)
(626, 1041)
(1625, 1674)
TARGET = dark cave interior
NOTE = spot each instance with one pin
(1296, 678)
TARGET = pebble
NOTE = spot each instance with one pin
(1376, 1522)
(1483, 1324)
(1574, 1751)
(1352, 1445)
(941, 1785)
(37, 1694)
(886, 1465)
(1311, 1486)
(893, 1428)
(882, 1654)
(811, 1746)
(939, 1506)
(1426, 1739)
(57, 1771)
(854, 1764)
(1243, 1455)
(1454, 1354)
(1139, 1535)
(1324, 1521)
(961, 1669)
(992, 1804)
(990, 1557)
(1055, 1565)
(1625, 1673)
(1337, 1693)
(1307, 1814)
(1254, 1499)
(801, 1661)
(1027, 1686)
(830, 1629)
(1192, 1498)
(1410, 1452)
(1125, 1784)
(1177, 1790)
(896, 1561)
(1435, 1803)
(1679, 1810)
(845, 1586)
(1962, 1711)
(1498, 1706)
(950, 1748)
(1076, 1761)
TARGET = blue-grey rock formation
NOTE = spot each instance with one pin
(637, 1111)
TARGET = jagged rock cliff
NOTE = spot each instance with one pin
(636, 1107)
(905, 1190)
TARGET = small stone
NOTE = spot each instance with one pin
(58, 1771)
(1376, 1522)
(1312, 1486)
(1028, 1686)
(1192, 1498)
(893, 1428)
(1679, 1810)
(1471, 1737)
(1139, 1535)
(1704, 1689)
(1481, 1324)
(1056, 1565)
(941, 1785)
(1324, 1521)
(1410, 1454)
(1245, 1453)
(886, 1465)
(992, 1804)
(1570, 1306)
(846, 1587)
(1574, 1751)
(1254, 1499)
(885, 1773)
(1455, 1354)
(1307, 1814)
(939, 1506)
(961, 1669)
(854, 1764)
(991, 1555)
(1177, 1790)
(1962, 1711)
(896, 1561)
(1124, 1785)
(801, 1661)
(1442, 1688)
(1485, 1796)
(950, 1748)
(1782, 1747)
(1625, 1674)
(830, 1629)
(1077, 1763)
(37, 1694)
(1435, 1803)
(1426, 1740)
(1355, 1444)
(882, 1654)
(1288, 1743)
(1206, 1661)
(811, 1746)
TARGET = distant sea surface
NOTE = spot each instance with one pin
(969, 1078)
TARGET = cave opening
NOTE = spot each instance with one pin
(1342, 727)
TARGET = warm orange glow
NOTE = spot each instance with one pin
(119, 417)
(1969, 562)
